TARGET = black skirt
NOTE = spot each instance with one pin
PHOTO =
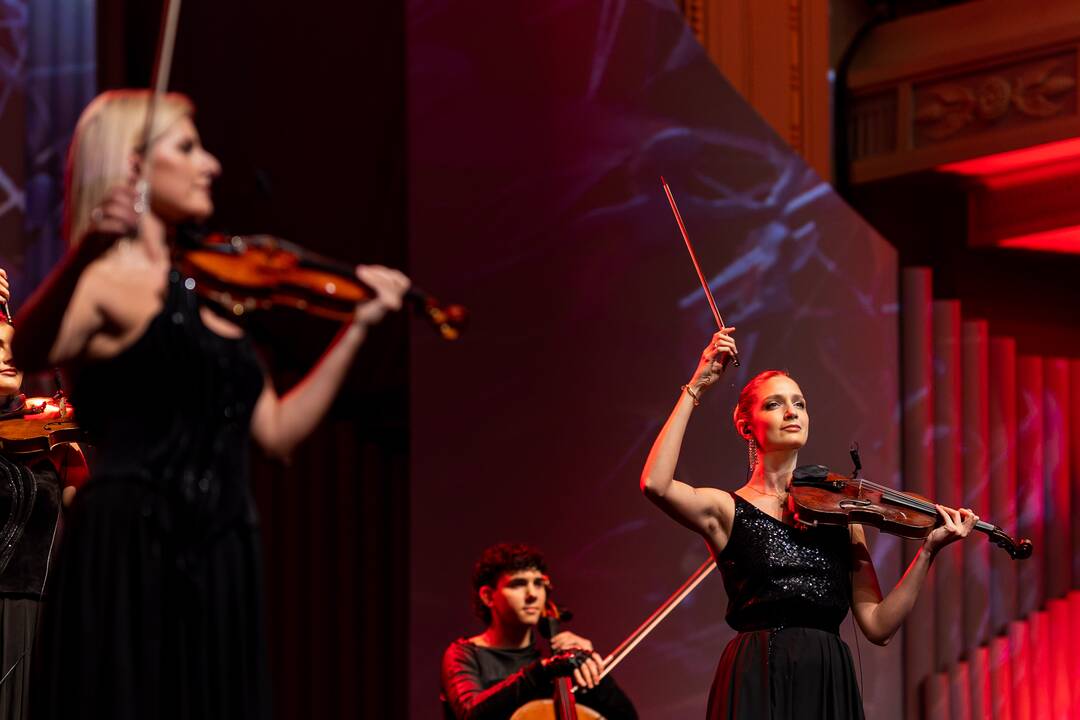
(140, 627)
(784, 674)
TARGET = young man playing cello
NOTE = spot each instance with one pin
(492, 675)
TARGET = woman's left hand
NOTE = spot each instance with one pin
(389, 286)
(956, 525)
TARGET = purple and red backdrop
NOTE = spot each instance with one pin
(537, 137)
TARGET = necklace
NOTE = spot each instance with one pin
(772, 495)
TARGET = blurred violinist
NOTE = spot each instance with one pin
(30, 501)
(491, 675)
(155, 605)
(788, 587)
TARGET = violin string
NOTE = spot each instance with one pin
(901, 497)
(915, 503)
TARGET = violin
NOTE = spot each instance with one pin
(38, 427)
(820, 497)
(562, 705)
(257, 272)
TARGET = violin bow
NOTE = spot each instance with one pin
(170, 18)
(626, 646)
(697, 266)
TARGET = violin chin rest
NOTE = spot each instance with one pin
(810, 472)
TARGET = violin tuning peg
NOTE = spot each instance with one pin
(855, 459)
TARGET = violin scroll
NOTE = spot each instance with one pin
(1018, 550)
(448, 320)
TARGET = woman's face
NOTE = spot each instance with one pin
(778, 419)
(181, 173)
(10, 378)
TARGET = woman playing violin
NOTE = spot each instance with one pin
(788, 587)
(30, 498)
(155, 607)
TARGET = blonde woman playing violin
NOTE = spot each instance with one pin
(788, 588)
(154, 609)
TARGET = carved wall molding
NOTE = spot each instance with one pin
(972, 85)
(1024, 92)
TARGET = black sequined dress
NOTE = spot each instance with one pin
(154, 609)
(788, 591)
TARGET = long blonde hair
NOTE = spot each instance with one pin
(108, 133)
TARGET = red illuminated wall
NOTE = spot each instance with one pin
(999, 427)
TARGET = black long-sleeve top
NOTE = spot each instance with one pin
(480, 683)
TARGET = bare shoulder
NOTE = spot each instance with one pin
(723, 506)
(129, 293)
(725, 503)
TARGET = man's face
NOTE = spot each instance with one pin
(518, 598)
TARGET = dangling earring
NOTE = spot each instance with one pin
(751, 452)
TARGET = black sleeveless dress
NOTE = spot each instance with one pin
(788, 591)
(154, 609)
(29, 526)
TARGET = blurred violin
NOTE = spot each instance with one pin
(243, 273)
(821, 497)
(38, 427)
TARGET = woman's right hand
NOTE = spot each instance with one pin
(114, 217)
(712, 359)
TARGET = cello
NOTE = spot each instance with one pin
(562, 706)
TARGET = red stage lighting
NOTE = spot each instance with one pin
(1024, 159)
(1025, 198)
(1059, 240)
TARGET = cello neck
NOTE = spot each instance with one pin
(565, 708)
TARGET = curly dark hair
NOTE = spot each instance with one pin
(498, 559)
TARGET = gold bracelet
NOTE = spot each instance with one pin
(694, 394)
